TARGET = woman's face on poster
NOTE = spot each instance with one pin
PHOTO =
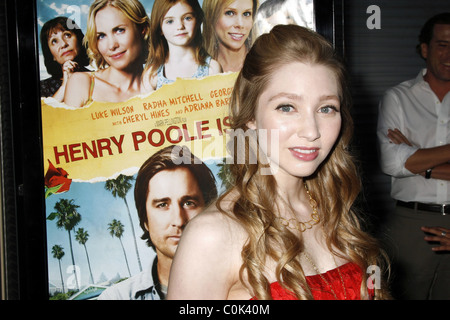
(63, 45)
(179, 24)
(235, 23)
(119, 40)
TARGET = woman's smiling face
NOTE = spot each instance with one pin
(119, 40)
(301, 105)
(234, 24)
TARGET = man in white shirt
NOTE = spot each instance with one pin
(414, 138)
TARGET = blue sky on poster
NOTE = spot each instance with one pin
(48, 9)
(98, 208)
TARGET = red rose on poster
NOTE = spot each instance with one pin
(56, 180)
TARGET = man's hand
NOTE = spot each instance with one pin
(397, 137)
(441, 235)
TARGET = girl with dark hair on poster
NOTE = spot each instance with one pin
(176, 49)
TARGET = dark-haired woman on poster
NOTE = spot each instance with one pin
(64, 53)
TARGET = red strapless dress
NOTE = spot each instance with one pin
(351, 275)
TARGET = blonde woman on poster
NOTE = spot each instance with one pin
(117, 37)
(288, 228)
(176, 49)
(227, 29)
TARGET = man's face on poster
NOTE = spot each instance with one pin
(174, 198)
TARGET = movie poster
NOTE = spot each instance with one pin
(95, 138)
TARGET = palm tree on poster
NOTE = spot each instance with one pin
(58, 253)
(224, 174)
(116, 229)
(82, 237)
(67, 217)
(119, 187)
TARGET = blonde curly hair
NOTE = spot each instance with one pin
(335, 185)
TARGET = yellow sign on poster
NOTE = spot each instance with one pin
(103, 139)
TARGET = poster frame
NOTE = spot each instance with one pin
(23, 208)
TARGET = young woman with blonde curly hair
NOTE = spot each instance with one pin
(294, 233)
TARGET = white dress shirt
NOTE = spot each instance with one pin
(414, 109)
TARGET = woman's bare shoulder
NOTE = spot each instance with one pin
(77, 89)
(214, 67)
(81, 77)
(218, 225)
(208, 258)
(148, 80)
